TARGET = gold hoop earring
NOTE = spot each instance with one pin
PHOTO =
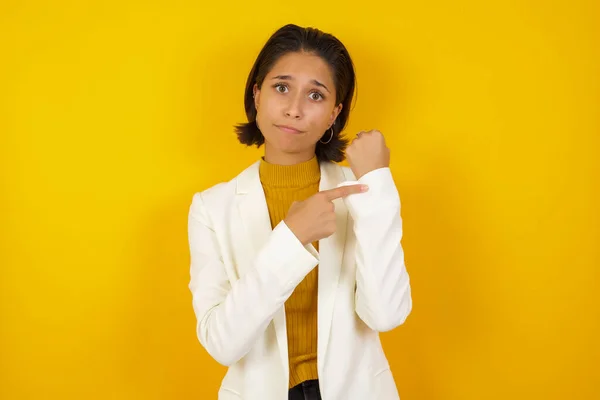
(331, 137)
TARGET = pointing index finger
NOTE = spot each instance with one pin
(343, 191)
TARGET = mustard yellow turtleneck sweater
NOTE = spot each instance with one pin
(284, 184)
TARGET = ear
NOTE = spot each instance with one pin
(256, 95)
(334, 114)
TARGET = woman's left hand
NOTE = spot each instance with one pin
(368, 152)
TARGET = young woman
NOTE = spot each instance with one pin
(296, 263)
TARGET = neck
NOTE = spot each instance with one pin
(281, 158)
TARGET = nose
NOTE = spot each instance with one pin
(290, 114)
(293, 108)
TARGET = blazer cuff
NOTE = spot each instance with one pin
(382, 193)
(287, 258)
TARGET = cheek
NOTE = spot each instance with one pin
(268, 114)
(319, 119)
(269, 104)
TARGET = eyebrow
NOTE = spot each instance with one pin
(291, 78)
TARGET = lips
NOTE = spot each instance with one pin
(289, 129)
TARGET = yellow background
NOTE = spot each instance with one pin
(112, 114)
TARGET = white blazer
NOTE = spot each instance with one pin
(242, 272)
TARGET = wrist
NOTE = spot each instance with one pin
(360, 172)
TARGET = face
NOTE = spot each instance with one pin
(295, 107)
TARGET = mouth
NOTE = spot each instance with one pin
(289, 129)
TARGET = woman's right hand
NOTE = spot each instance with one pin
(314, 218)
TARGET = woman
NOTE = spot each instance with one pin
(296, 263)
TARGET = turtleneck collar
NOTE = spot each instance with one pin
(297, 175)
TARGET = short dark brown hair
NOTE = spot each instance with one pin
(292, 38)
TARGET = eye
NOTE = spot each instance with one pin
(280, 87)
(316, 96)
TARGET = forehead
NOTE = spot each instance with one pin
(303, 67)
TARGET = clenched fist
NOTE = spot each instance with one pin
(368, 152)
(314, 218)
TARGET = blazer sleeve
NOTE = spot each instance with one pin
(232, 315)
(383, 294)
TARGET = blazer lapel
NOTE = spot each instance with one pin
(254, 214)
(253, 211)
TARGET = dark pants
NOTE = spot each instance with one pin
(307, 390)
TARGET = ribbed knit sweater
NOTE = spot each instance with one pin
(284, 184)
